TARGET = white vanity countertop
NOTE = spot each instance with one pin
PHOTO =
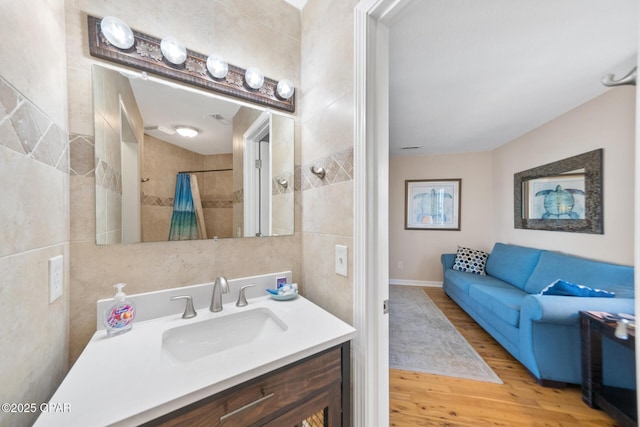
(127, 380)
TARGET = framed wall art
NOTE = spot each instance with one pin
(565, 195)
(432, 204)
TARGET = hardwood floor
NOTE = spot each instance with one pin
(418, 399)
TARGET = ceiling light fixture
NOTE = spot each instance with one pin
(187, 131)
(285, 89)
(254, 78)
(217, 66)
(117, 32)
(173, 50)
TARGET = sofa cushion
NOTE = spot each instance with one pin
(460, 281)
(564, 288)
(512, 264)
(595, 274)
(470, 260)
(502, 300)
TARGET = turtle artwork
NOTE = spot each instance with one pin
(559, 203)
(430, 208)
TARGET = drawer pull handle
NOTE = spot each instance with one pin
(247, 406)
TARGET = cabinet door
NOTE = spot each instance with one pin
(323, 410)
(261, 399)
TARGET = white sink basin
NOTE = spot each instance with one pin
(200, 339)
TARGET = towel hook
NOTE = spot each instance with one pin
(629, 79)
(320, 172)
(283, 182)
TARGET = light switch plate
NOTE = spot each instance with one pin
(56, 268)
(341, 260)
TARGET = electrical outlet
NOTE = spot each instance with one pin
(56, 268)
(341, 260)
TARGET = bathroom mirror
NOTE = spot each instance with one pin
(235, 176)
(561, 196)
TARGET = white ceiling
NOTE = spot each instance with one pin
(471, 75)
(167, 105)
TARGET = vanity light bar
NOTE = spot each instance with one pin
(145, 54)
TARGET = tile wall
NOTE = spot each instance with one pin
(34, 206)
(326, 114)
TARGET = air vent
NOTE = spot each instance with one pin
(220, 118)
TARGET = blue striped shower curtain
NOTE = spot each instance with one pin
(183, 222)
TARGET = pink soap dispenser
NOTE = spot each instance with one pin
(118, 318)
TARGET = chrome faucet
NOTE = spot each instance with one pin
(221, 286)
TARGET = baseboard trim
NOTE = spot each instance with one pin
(422, 283)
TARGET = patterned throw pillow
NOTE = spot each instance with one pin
(470, 261)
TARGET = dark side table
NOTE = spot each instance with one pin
(618, 402)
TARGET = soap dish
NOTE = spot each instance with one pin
(285, 297)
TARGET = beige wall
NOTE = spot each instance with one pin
(415, 254)
(34, 212)
(605, 122)
(260, 32)
(326, 109)
(487, 190)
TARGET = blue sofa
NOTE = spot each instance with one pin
(543, 331)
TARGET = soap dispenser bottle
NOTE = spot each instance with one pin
(118, 318)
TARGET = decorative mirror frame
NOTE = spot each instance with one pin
(591, 162)
(145, 55)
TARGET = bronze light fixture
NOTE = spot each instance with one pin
(209, 73)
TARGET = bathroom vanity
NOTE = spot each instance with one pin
(315, 390)
(271, 363)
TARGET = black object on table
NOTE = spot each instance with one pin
(620, 403)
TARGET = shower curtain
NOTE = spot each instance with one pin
(183, 222)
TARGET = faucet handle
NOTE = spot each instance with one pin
(189, 311)
(242, 299)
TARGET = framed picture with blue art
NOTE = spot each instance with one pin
(555, 197)
(565, 195)
(432, 204)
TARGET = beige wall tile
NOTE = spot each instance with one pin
(34, 61)
(80, 101)
(321, 284)
(327, 47)
(35, 334)
(328, 209)
(83, 215)
(36, 213)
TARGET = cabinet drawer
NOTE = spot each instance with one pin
(268, 395)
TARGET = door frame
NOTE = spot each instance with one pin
(371, 211)
(251, 176)
(371, 171)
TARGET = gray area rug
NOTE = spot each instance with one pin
(422, 339)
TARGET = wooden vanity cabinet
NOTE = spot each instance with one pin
(312, 392)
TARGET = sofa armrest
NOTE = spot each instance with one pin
(563, 310)
(447, 260)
